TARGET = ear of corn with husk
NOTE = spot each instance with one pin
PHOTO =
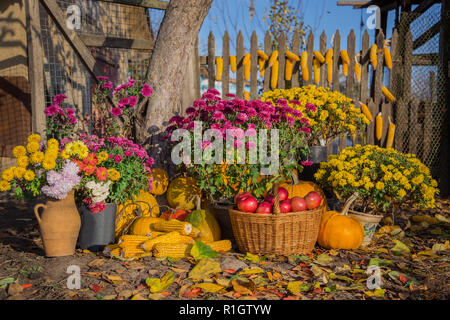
(374, 56)
(379, 126)
(262, 64)
(388, 94)
(329, 62)
(233, 63)
(183, 250)
(247, 64)
(219, 68)
(274, 75)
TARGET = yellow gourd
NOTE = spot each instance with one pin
(181, 192)
(141, 226)
(205, 221)
(160, 181)
(340, 231)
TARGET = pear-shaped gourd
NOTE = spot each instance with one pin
(205, 221)
(340, 231)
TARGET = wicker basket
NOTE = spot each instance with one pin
(277, 233)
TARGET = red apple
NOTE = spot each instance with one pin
(247, 203)
(283, 194)
(285, 206)
(298, 204)
(240, 195)
(313, 200)
(269, 198)
(264, 208)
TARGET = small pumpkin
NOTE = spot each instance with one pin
(340, 231)
(206, 222)
(181, 192)
(301, 188)
(141, 226)
(160, 181)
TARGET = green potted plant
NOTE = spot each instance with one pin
(383, 178)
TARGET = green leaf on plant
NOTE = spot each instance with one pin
(201, 250)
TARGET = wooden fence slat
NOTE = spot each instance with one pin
(323, 67)
(254, 67)
(427, 129)
(281, 60)
(351, 67)
(371, 126)
(310, 50)
(211, 60)
(406, 72)
(268, 51)
(378, 73)
(296, 49)
(413, 111)
(401, 124)
(336, 59)
(396, 60)
(226, 65)
(240, 68)
(365, 68)
(386, 110)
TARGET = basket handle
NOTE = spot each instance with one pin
(349, 202)
(276, 200)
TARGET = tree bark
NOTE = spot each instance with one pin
(174, 45)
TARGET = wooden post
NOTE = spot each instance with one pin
(371, 126)
(323, 67)
(336, 59)
(211, 61)
(365, 68)
(281, 60)
(310, 50)
(254, 67)
(349, 91)
(296, 49)
(226, 65)
(378, 73)
(240, 67)
(36, 68)
(386, 111)
(268, 51)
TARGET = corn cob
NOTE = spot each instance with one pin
(219, 68)
(196, 232)
(329, 62)
(172, 250)
(390, 135)
(304, 66)
(316, 64)
(365, 110)
(130, 252)
(246, 95)
(171, 237)
(344, 56)
(374, 56)
(220, 245)
(262, 64)
(319, 56)
(184, 228)
(233, 63)
(292, 56)
(379, 126)
(115, 252)
(274, 75)
(246, 59)
(358, 72)
(387, 94)
(288, 70)
(273, 58)
(131, 240)
(111, 249)
(388, 58)
(247, 66)
(262, 55)
(345, 69)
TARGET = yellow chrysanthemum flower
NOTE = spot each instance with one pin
(379, 185)
(401, 193)
(19, 151)
(53, 143)
(34, 138)
(19, 172)
(8, 174)
(37, 157)
(23, 161)
(64, 155)
(5, 186)
(32, 147)
(29, 175)
(49, 163)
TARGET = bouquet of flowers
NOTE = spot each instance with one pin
(40, 168)
(237, 123)
(382, 177)
(114, 111)
(329, 113)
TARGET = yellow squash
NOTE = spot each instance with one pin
(181, 192)
(205, 221)
(160, 181)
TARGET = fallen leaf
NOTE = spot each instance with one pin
(204, 269)
(223, 282)
(5, 281)
(251, 271)
(156, 285)
(178, 270)
(193, 293)
(295, 287)
(379, 262)
(125, 294)
(209, 287)
(201, 250)
(110, 297)
(333, 276)
(253, 257)
(440, 247)
(376, 293)
(441, 218)
(96, 263)
(243, 286)
(400, 249)
(113, 279)
(323, 259)
(134, 265)
(333, 252)
(95, 287)
(138, 297)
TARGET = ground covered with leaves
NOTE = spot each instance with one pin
(412, 257)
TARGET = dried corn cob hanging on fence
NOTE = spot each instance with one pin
(316, 64)
(304, 66)
(233, 63)
(344, 56)
(292, 56)
(387, 58)
(365, 110)
(345, 69)
(388, 94)
(374, 56)
(219, 68)
(288, 70)
(379, 126)
(274, 75)
(390, 135)
(262, 55)
(319, 57)
(273, 58)
(262, 64)
(358, 72)
(329, 62)
(247, 65)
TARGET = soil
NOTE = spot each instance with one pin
(424, 274)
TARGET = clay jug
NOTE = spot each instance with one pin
(59, 225)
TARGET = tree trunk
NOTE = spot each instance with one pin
(173, 47)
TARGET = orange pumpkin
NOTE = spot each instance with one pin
(340, 231)
(302, 188)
